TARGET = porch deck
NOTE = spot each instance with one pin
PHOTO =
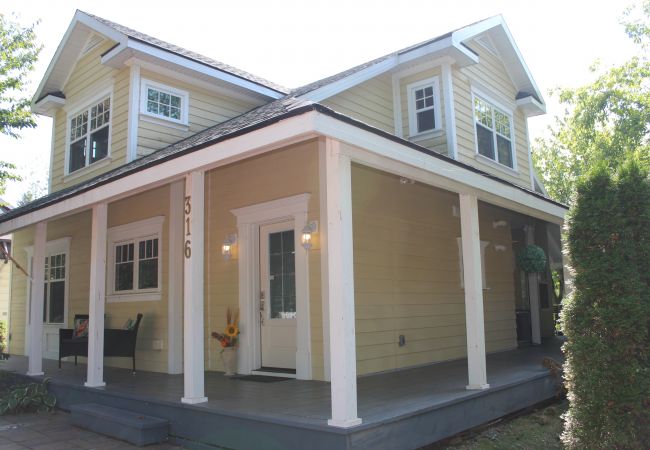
(400, 410)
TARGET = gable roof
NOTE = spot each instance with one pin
(130, 41)
(451, 44)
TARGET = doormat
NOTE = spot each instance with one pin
(260, 378)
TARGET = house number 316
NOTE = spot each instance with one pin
(188, 210)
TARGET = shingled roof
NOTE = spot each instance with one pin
(142, 37)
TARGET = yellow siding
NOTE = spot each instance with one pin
(491, 74)
(370, 102)
(436, 141)
(253, 181)
(88, 76)
(154, 324)
(205, 110)
(407, 275)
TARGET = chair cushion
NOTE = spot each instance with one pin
(80, 328)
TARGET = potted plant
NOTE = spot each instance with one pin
(532, 259)
(228, 341)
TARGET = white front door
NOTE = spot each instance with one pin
(54, 304)
(278, 296)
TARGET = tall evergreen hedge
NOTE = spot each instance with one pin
(607, 319)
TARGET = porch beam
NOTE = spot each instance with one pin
(97, 296)
(472, 277)
(340, 282)
(193, 326)
(35, 352)
(533, 293)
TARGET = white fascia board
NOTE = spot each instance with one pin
(476, 29)
(132, 45)
(47, 105)
(531, 106)
(437, 171)
(79, 18)
(283, 133)
(350, 81)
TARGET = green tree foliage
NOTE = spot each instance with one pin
(18, 53)
(607, 319)
(603, 121)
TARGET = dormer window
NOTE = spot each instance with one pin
(424, 106)
(494, 132)
(164, 102)
(89, 135)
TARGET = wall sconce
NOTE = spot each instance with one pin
(499, 223)
(500, 248)
(226, 248)
(307, 231)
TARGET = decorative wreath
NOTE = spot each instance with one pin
(532, 259)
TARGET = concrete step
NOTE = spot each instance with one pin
(136, 428)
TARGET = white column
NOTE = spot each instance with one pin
(193, 328)
(35, 351)
(97, 296)
(340, 281)
(533, 293)
(175, 277)
(472, 277)
(450, 114)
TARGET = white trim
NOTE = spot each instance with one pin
(169, 57)
(175, 280)
(79, 107)
(434, 83)
(48, 105)
(372, 149)
(530, 106)
(134, 102)
(151, 228)
(184, 96)
(249, 220)
(398, 121)
(325, 308)
(529, 150)
(450, 109)
(488, 98)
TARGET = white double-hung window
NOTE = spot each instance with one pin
(494, 132)
(89, 135)
(135, 253)
(164, 102)
(424, 106)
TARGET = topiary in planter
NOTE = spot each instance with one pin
(607, 318)
(532, 259)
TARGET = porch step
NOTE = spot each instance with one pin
(138, 429)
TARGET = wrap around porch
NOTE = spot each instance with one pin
(401, 410)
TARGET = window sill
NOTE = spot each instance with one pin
(88, 169)
(496, 165)
(164, 122)
(134, 297)
(426, 135)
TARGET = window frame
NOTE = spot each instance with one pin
(74, 111)
(145, 84)
(134, 232)
(434, 82)
(509, 112)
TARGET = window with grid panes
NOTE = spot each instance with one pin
(164, 104)
(89, 135)
(54, 293)
(136, 265)
(493, 132)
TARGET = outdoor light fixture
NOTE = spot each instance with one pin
(226, 248)
(307, 231)
(499, 223)
(500, 248)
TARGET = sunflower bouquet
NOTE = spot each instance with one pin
(229, 337)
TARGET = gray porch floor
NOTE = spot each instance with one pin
(381, 398)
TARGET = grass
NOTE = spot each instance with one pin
(537, 429)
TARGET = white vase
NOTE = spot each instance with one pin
(229, 358)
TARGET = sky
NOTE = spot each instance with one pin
(294, 42)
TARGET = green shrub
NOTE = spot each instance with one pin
(3, 336)
(17, 398)
(606, 320)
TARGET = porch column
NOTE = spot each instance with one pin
(35, 351)
(533, 293)
(472, 274)
(340, 286)
(193, 327)
(175, 279)
(97, 297)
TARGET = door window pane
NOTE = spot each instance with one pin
(124, 267)
(282, 275)
(57, 301)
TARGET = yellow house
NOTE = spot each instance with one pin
(365, 223)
